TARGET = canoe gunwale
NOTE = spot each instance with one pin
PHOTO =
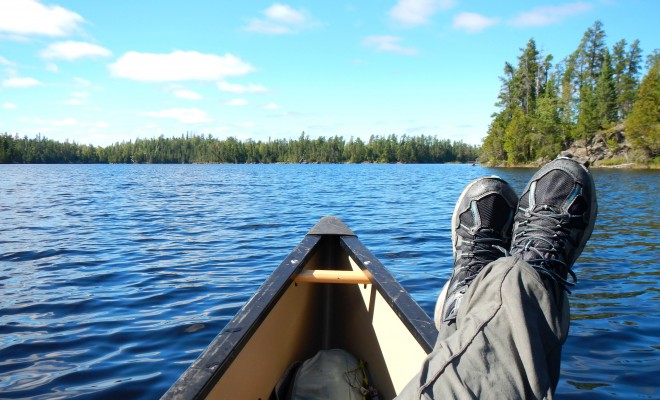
(198, 380)
(412, 315)
(204, 373)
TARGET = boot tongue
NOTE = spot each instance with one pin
(554, 188)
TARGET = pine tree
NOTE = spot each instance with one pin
(643, 123)
(545, 131)
(507, 96)
(589, 61)
(653, 58)
(516, 138)
(595, 48)
(587, 121)
(527, 82)
(492, 148)
(566, 73)
(626, 71)
(619, 61)
(606, 104)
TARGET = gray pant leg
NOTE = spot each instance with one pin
(506, 343)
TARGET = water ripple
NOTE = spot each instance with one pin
(115, 277)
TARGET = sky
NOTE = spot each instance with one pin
(100, 72)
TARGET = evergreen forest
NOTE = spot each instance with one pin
(206, 149)
(543, 109)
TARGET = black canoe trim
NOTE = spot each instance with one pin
(412, 315)
(331, 226)
(200, 378)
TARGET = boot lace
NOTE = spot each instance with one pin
(484, 248)
(543, 237)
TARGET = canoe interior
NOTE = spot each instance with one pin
(286, 322)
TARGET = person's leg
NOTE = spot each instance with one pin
(506, 339)
(481, 233)
(556, 215)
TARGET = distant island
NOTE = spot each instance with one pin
(189, 149)
(591, 106)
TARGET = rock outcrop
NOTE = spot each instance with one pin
(608, 147)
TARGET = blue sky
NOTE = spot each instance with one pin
(99, 72)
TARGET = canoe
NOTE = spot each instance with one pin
(329, 292)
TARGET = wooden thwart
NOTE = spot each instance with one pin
(331, 276)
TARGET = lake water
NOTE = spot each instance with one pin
(113, 278)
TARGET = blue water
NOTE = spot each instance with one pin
(113, 278)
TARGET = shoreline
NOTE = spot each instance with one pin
(635, 166)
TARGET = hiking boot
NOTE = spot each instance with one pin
(481, 233)
(556, 215)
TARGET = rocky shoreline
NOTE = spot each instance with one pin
(606, 149)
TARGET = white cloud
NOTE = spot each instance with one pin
(30, 17)
(238, 88)
(471, 22)
(246, 124)
(4, 61)
(18, 82)
(50, 67)
(283, 13)
(187, 94)
(418, 12)
(280, 19)
(548, 15)
(271, 106)
(71, 50)
(9, 106)
(178, 66)
(389, 44)
(184, 115)
(237, 102)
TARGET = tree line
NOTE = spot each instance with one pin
(207, 149)
(543, 109)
